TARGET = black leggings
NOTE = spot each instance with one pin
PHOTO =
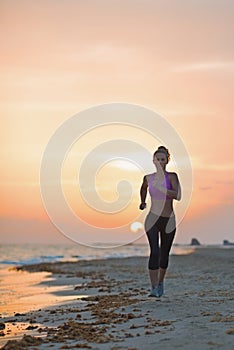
(166, 226)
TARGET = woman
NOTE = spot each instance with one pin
(163, 187)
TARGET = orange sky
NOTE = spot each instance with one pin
(61, 57)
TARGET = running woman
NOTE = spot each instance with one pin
(164, 187)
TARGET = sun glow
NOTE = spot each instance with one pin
(136, 226)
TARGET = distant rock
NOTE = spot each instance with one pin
(195, 241)
(226, 242)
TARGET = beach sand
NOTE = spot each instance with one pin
(109, 307)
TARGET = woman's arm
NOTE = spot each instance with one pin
(175, 192)
(143, 193)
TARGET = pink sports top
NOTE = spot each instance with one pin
(154, 192)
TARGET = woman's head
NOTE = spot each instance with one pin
(162, 156)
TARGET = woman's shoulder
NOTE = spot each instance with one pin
(172, 175)
(147, 176)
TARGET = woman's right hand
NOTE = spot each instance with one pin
(142, 206)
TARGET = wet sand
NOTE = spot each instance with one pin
(105, 305)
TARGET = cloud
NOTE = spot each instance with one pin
(225, 66)
(126, 165)
(100, 52)
(225, 182)
(206, 164)
(205, 188)
(19, 183)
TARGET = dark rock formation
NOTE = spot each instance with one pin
(226, 242)
(195, 241)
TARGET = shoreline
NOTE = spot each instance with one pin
(13, 255)
(110, 308)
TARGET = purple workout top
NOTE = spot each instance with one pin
(154, 192)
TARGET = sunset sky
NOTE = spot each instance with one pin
(60, 57)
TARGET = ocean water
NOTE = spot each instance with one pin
(36, 253)
(13, 255)
(24, 254)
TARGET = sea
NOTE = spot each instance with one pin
(24, 254)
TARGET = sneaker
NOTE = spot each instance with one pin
(154, 292)
(160, 289)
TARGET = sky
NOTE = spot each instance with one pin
(61, 57)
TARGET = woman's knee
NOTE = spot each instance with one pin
(164, 260)
(154, 260)
(153, 264)
(164, 263)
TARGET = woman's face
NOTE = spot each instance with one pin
(160, 160)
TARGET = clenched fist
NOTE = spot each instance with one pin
(142, 206)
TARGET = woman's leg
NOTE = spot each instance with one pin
(153, 274)
(152, 233)
(161, 274)
(167, 235)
